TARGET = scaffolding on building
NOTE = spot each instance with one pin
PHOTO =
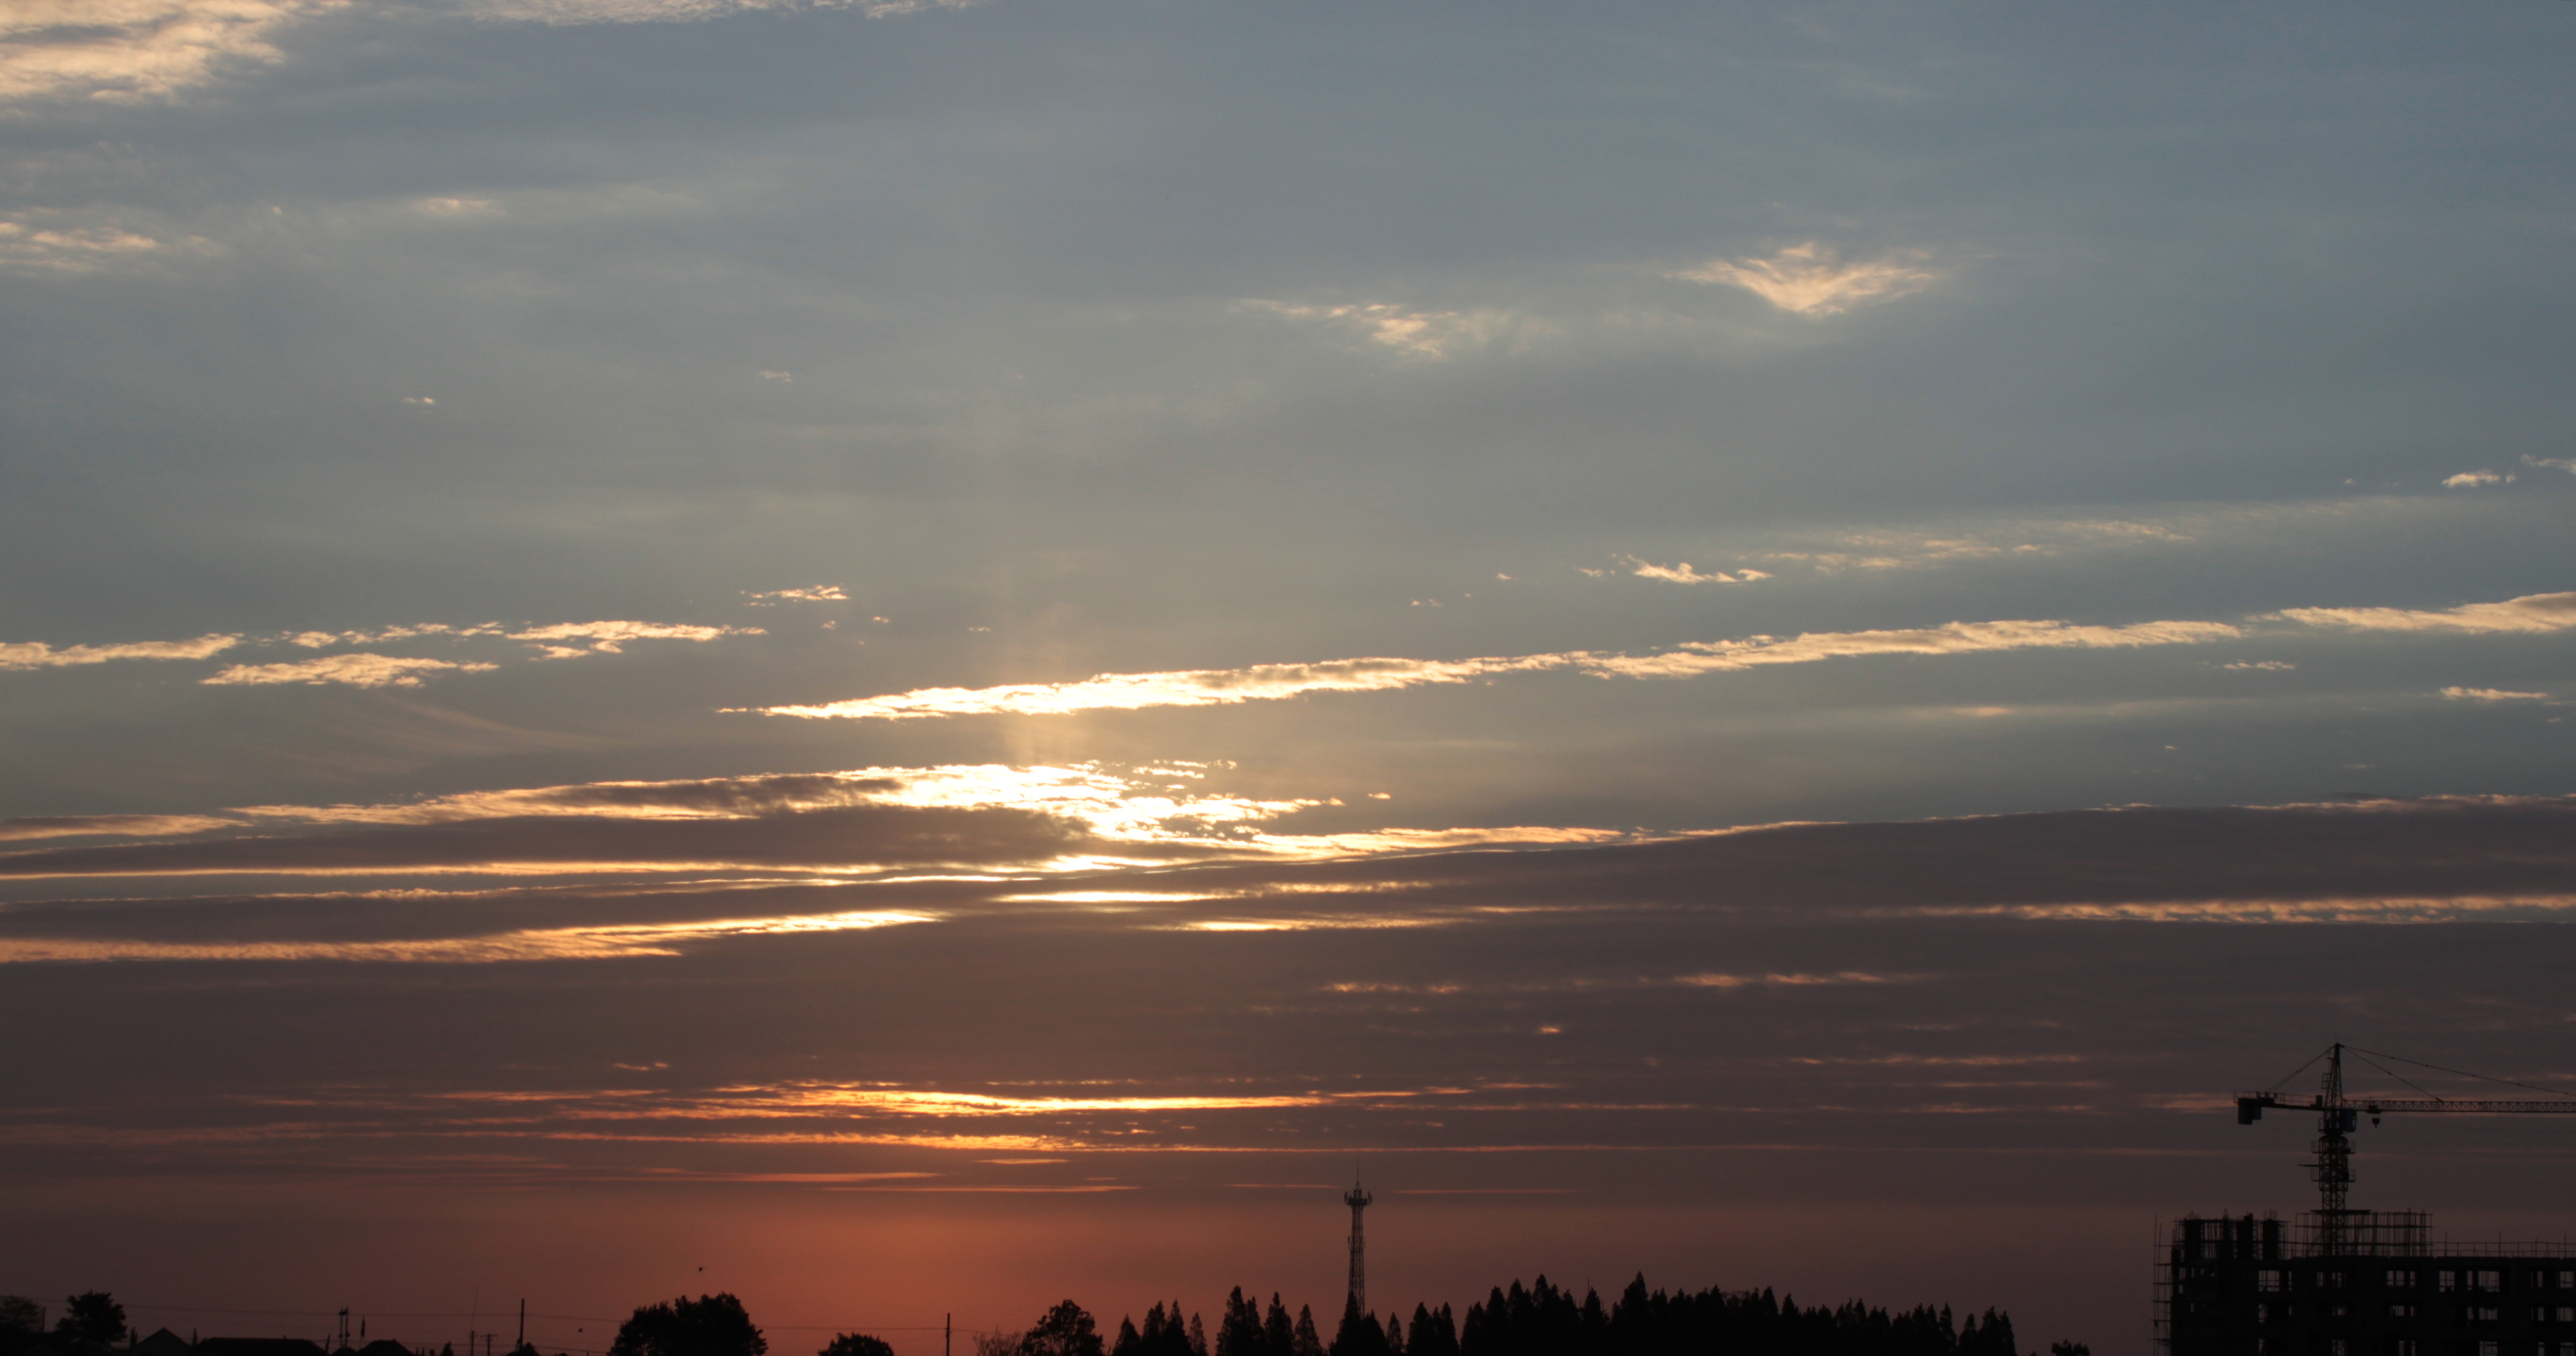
(2362, 1283)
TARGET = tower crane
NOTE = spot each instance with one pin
(2339, 1116)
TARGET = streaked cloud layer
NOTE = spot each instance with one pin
(1556, 608)
(1272, 682)
(804, 839)
(2538, 612)
(356, 670)
(559, 640)
(38, 655)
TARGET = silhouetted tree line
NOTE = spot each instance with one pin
(710, 1325)
(92, 1322)
(1537, 1320)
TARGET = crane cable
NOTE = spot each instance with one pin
(2528, 1087)
(2400, 1077)
(2283, 1081)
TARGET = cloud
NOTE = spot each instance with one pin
(1894, 550)
(1411, 333)
(456, 207)
(2473, 479)
(316, 640)
(2534, 612)
(1684, 574)
(2567, 464)
(1727, 981)
(1809, 279)
(2380, 910)
(568, 12)
(602, 942)
(69, 249)
(1887, 551)
(2261, 665)
(607, 637)
(864, 1098)
(834, 825)
(1272, 682)
(709, 798)
(853, 837)
(2491, 694)
(38, 655)
(123, 826)
(1699, 657)
(2387, 861)
(378, 670)
(819, 593)
(354, 670)
(135, 49)
(1194, 687)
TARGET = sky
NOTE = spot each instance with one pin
(914, 657)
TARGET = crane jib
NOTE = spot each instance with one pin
(2250, 1109)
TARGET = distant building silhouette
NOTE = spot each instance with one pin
(161, 1343)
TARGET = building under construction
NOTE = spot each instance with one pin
(2344, 1282)
(2242, 1286)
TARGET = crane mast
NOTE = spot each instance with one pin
(2338, 1116)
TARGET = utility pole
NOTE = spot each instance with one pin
(947, 1333)
(523, 1324)
(1357, 1198)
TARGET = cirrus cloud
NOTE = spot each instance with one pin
(1410, 332)
(2491, 694)
(2539, 612)
(819, 593)
(1192, 687)
(102, 826)
(1682, 573)
(1273, 682)
(2532, 612)
(1809, 279)
(608, 637)
(353, 670)
(38, 655)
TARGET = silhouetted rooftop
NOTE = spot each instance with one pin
(258, 1346)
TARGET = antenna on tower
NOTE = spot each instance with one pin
(1357, 1198)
